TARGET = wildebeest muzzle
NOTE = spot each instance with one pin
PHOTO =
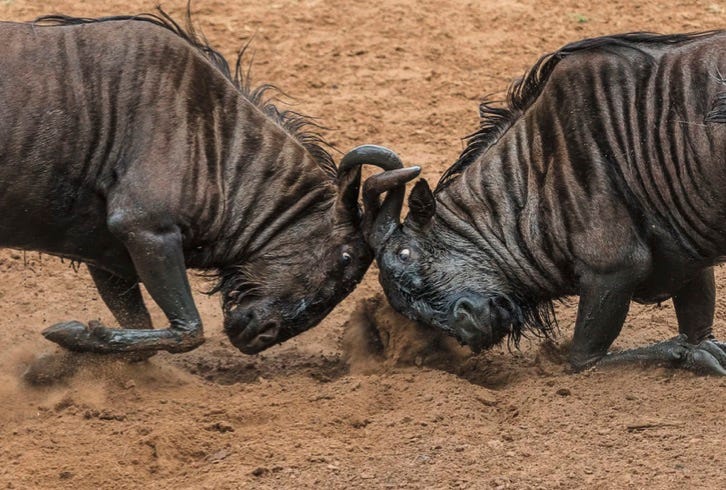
(481, 321)
(249, 332)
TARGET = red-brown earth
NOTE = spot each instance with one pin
(314, 413)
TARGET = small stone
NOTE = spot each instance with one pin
(260, 471)
(219, 455)
(564, 392)
(221, 426)
(486, 399)
(65, 475)
(109, 415)
(495, 443)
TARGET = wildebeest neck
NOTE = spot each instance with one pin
(264, 184)
(495, 209)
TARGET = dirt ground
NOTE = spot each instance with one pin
(311, 413)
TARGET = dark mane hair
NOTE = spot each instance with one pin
(495, 120)
(300, 127)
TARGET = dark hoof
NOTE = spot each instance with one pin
(708, 357)
(77, 337)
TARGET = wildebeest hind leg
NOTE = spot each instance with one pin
(123, 298)
(695, 305)
(159, 261)
(694, 348)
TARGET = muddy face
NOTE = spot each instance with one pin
(282, 295)
(436, 286)
(431, 276)
(307, 268)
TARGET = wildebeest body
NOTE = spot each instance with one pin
(126, 143)
(146, 126)
(604, 177)
(614, 156)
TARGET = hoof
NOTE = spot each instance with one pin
(77, 337)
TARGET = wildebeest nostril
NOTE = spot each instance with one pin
(269, 333)
(462, 307)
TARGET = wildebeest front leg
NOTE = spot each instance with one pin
(695, 347)
(123, 298)
(604, 303)
(159, 261)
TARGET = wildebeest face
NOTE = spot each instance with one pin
(294, 284)
(430, 275)
(302, 273)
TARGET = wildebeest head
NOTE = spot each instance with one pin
(432, 274)
(303, 271)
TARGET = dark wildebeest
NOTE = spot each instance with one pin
(603, 177)
(127, 144)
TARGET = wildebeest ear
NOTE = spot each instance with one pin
(421, 204)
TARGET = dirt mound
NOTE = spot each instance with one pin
(377, 337)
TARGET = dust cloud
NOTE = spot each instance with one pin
(376, 338)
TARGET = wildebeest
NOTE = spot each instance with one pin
(126, 143)
(603, 176)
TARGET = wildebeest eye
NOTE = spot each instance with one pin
(404, 254)
(346, 258)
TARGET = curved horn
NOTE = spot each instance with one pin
(349, 172)
(382, 219)
(380, 156)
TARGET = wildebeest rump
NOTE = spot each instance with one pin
(126, 143)
(604, 176)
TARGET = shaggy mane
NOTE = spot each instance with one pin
(300, 127)
(495, 120)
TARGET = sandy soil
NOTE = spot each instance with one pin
(313, 413)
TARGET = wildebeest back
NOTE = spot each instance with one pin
(79, 104)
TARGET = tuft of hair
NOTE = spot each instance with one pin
(303, 128)
(537, 319)
(495, 119)
(235, 282)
